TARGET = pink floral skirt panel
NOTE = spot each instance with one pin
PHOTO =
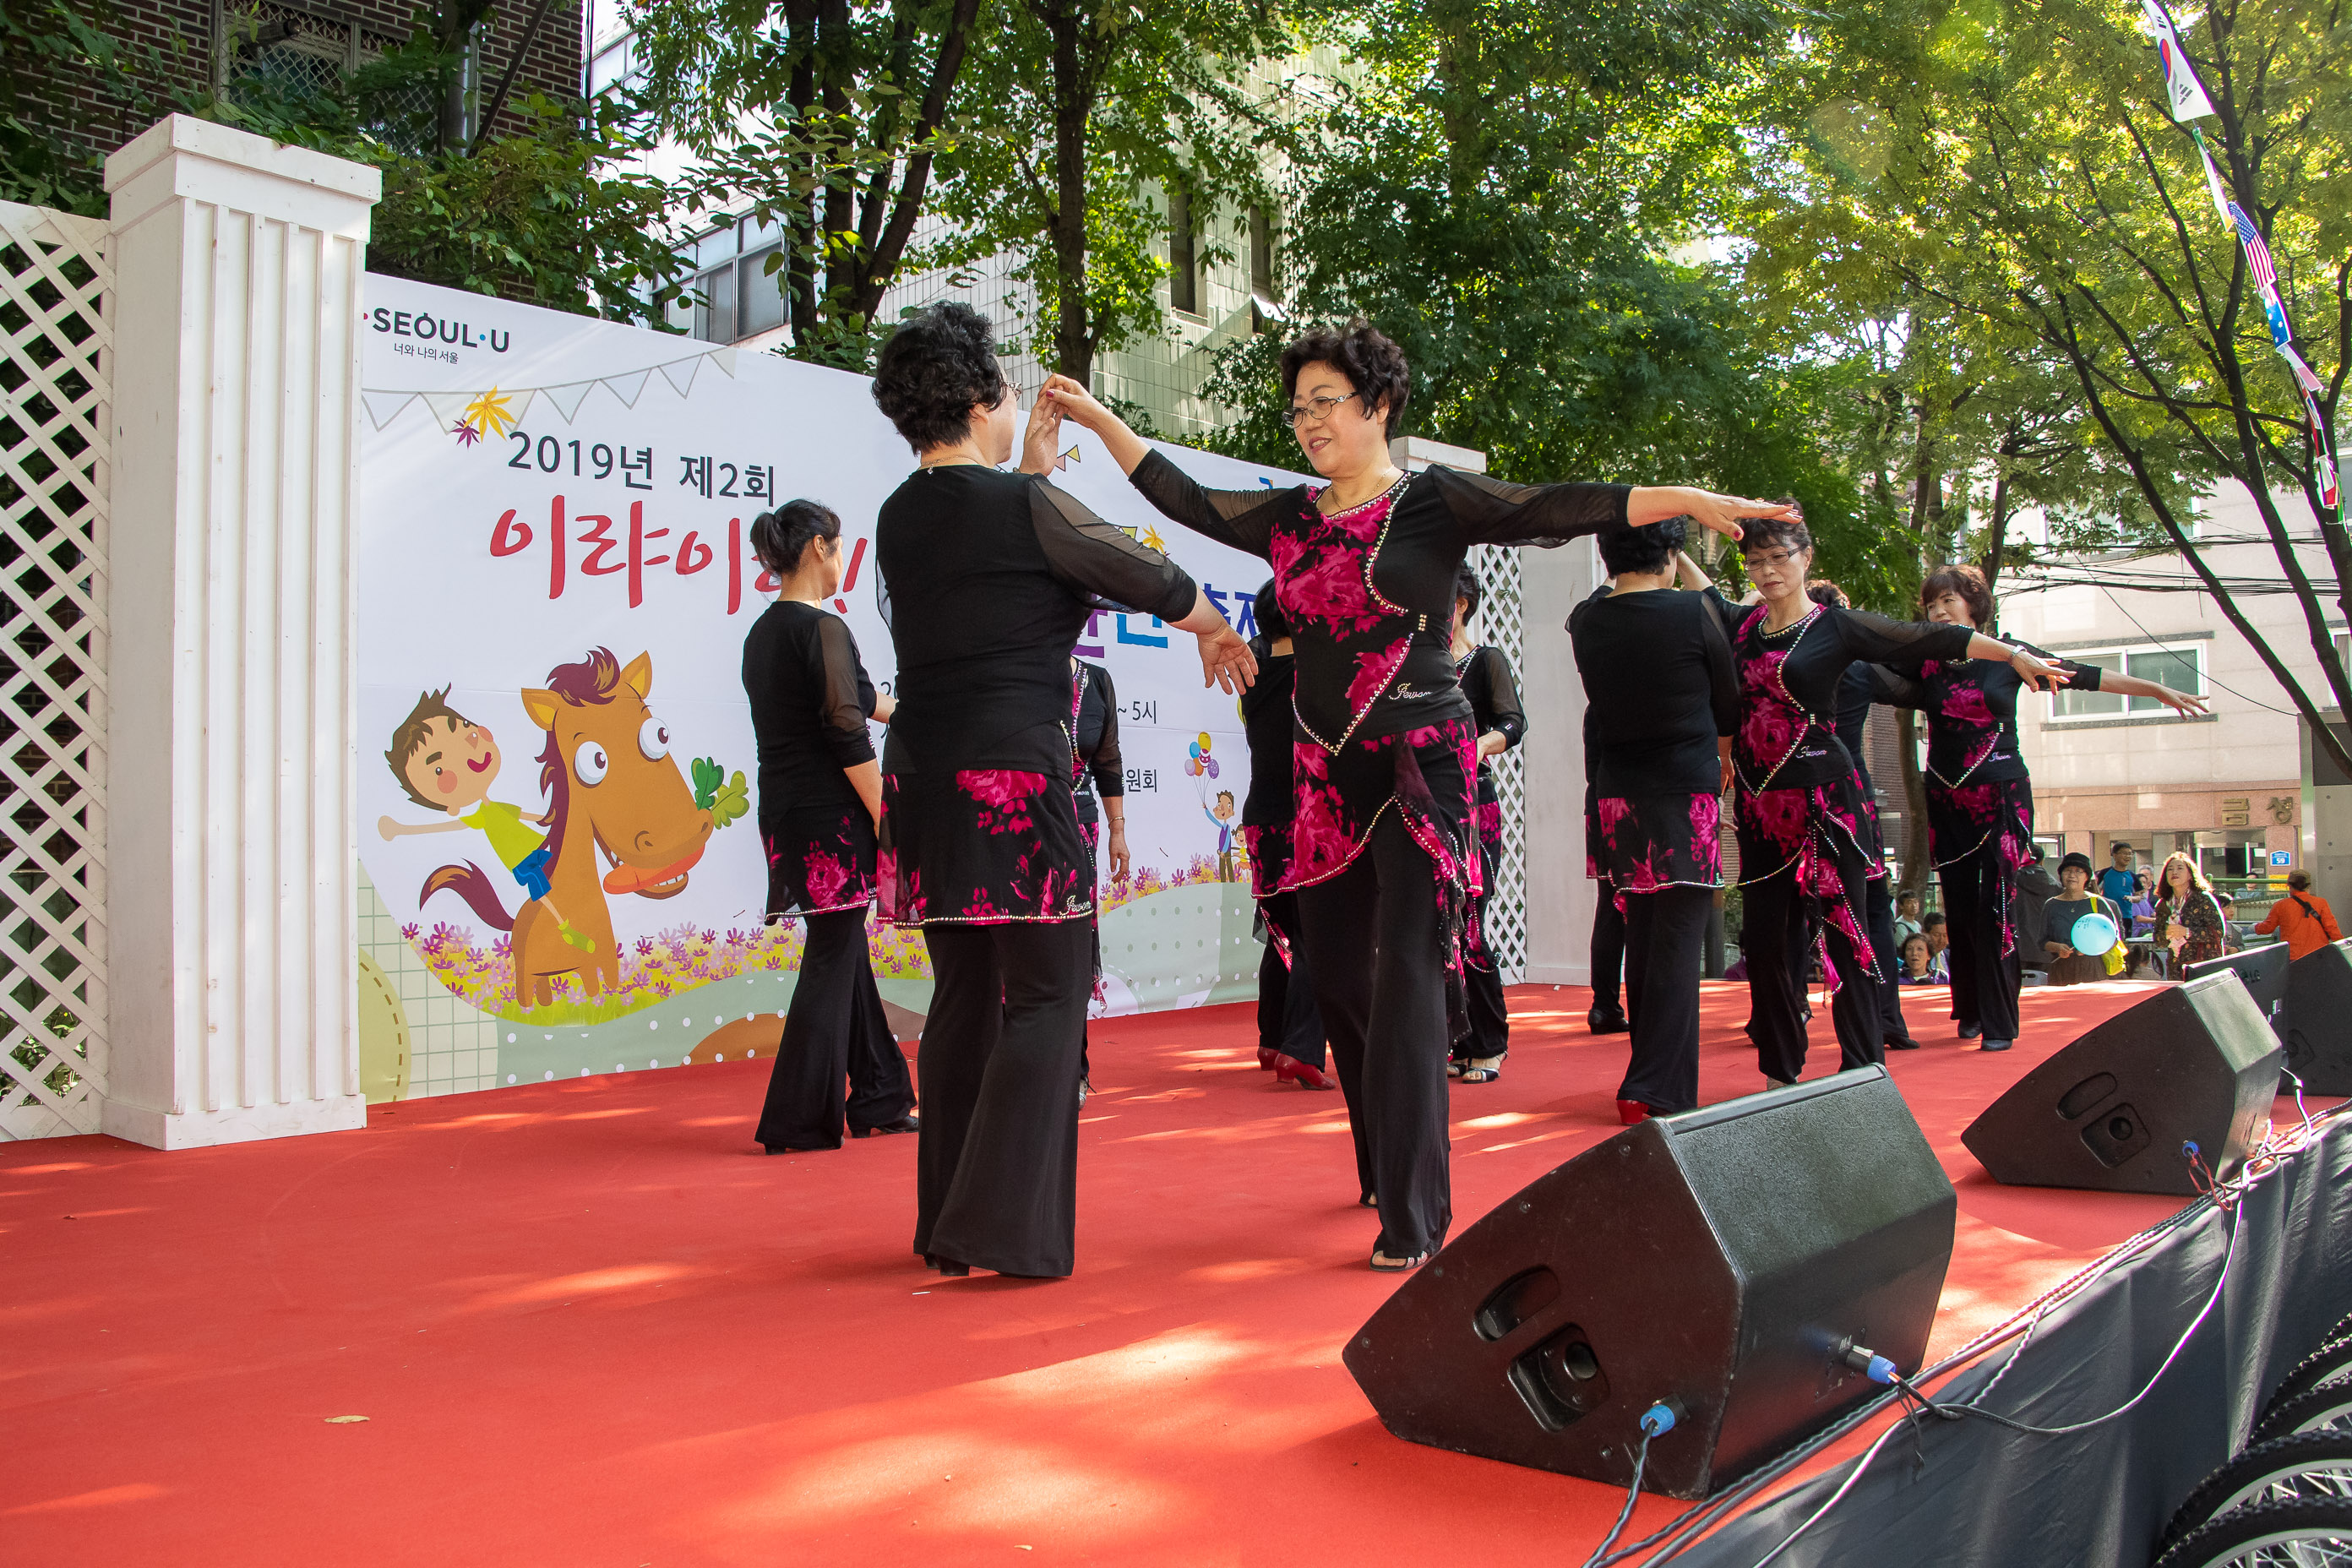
(985, 847)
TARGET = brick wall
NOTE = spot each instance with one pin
(180, 35)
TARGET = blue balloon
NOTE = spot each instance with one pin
(2095, 935)
(1195, 749)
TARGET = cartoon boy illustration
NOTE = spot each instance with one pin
(446, 762)
(1221, 817)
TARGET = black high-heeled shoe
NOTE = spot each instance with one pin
(904, 1124)
(949, 1268)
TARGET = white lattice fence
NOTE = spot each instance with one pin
(1498, 625)
(56, 354)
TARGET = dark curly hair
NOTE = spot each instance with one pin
(1967, 582)
(1642, 549)
(1373, 365)
(1821, 591)
(1768, 533)
(932, 370)
(1467, 586)
(779, 537)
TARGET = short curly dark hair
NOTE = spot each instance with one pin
(1373, 365)
(1641, 550)
(1466, 585)
(1769, 532)
(1821, 591)
(932, 370)
(1967, 582)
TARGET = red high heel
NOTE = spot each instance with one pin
(1291, 1071)
(1632, 1112)
(1266, 1057)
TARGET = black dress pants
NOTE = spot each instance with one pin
(1608, 949)
(1490, 1016)
(1984, 980)
(1879, 911)
(996, 1175)
(1286, 1017)
(835, 1028)
(1372, 946)
(1663, 933)
(1777, 919)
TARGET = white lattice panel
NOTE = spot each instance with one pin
(56, 411)
(1498, 625)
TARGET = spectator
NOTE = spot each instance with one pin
(1907, 918)
(1932, 927)
(2187, 920)
(1918, 964)
(2302, 918)
(2059, 915)
(2117, 883)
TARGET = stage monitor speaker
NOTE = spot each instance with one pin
(2192, 1063)
(1723, 1259)
(2318, 1019)
(2262, 972)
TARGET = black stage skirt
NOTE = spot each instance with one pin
(980, 848)
(1805, 831)
(1645, 843)
(820, 859)
(1994, 818)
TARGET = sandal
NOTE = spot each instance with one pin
(1482, 1069)
(1289, 1070)
(1369, 1201)
(1383, 1264)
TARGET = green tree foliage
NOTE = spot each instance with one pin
(552, 215)
(823, 118)
(2010, 174)
(1086, 102)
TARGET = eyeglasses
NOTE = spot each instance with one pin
(1774, 558)
(1314, 411)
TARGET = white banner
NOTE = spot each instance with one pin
(539, 486)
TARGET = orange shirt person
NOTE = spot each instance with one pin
(2302, 918)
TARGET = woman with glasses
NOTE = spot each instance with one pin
(1808, 842)
(1980, 796)
(1383, 851)
(987, 579)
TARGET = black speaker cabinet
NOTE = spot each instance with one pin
(2262, 972)
(2317, 1019)
(1722, 1259)
(2193, 1063)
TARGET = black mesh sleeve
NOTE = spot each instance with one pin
(1091, 557)
(1881, 639)
(1897, 690)
(1722, 673)
(1506, 713)
(845, 696)
(2079, 677)
(1104, 765)
(1243, 518)
(1490, 511)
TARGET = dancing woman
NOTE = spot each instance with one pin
(1096, 772)
(1980, 796)
(1808, 836)
(1383, 857)
(1661, 701)
(820, 791)
(987, 578)
(1500, 723)
(1857, 693)
(1289, 1029)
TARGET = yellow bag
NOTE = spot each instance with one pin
(2113, 959)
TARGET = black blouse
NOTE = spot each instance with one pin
(986, 579)
(1972, 709)
(1371, 601)
(1788, 684)
(1857, 692)
(810, 700)
(1659, 689)
(1494, 696)
(1266, 725)
(1097, 765)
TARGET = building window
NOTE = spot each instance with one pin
(739, 297)
(1265, 311)
(1183, 273)
(2182, 669)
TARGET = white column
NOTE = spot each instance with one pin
(232, 835)
(1559, 898)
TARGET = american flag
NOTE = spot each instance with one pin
(2258, 255)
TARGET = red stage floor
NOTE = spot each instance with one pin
(588, 1323)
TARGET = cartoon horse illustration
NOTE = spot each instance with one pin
(617, 795)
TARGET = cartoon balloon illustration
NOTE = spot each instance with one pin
(1195, 749)
(1204, 742)
(1210, 764)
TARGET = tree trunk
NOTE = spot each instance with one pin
(1073, 338)
(1997, 529)
(1918, 857)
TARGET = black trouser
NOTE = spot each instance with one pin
(1984, 981)
(835, 1026)
(1286, 1018)
(1879, 910)
(996, 1177)
(1663, 932)
(1490, 1016)
(1776, 918)
(1379, 979)
(1608, 949)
